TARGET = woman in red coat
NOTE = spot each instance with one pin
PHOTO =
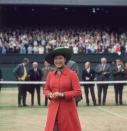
(62, 86)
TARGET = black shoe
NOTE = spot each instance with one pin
(99, 104)
(87, 104)
(19, 105)
(116, 103)
(103, 103)
(121, 103)
(25, 105)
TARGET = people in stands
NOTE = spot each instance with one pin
(83, 39)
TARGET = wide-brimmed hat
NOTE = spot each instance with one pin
(66, 52)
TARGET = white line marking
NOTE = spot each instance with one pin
(113, 113)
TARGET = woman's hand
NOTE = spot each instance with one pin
(51, 95)
(58, 94)
(54, 95)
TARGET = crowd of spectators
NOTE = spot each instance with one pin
(81, 39)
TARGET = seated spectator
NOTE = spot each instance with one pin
(80, 39)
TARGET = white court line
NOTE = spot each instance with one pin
(113, 113)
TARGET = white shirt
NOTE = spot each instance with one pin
(88, 70)
(41, 50)
(36, 49)
(75, 50)
(35, 69)
(119, 67)
(103, 67)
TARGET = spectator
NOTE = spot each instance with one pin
(103, 71)
(118, 72)
(88, 74)
(22, 49)
(36, 49)
(35, 74)
(20, 72)
(80, 39)
(41, 49)
(45, 70)
(30, 49)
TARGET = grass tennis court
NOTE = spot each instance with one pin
(99, 118)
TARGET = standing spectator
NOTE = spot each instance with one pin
(20, 73)
(74, 66)
(35, 74)
(103, 72)
(118, 72)
(45, 70)
(88, 74)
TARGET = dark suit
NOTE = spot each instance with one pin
(19, 72)
(74, 66)
(35, 76)
(45, 71)
(100, 70)
(0, 78)
(91, 75)
(118, 75)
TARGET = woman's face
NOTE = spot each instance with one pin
(59, 61)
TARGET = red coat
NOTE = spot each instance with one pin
(64, 110)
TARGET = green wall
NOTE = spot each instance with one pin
(9, 61)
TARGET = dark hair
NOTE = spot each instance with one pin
(25, 60)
